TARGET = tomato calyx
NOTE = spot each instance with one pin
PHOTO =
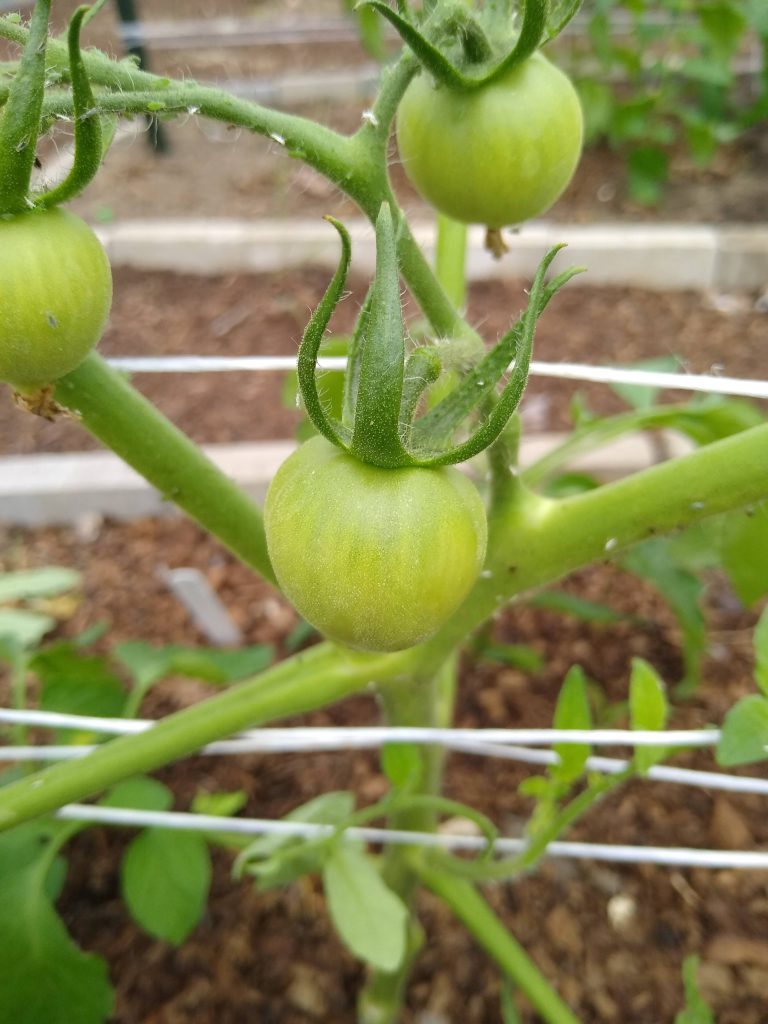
(476, 62)
(21, 115)
(382, 388)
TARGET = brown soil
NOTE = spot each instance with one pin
(274, 957)
(245, 314)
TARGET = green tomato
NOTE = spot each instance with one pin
(496, 155)
(374, 558)
(55, 295)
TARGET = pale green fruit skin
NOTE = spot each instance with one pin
(496, 155)
(376, 559)
(55, 295)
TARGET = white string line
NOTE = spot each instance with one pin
(566, 371)
(606, 765)
(671, 856)
(365, 737)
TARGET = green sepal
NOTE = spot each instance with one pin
(376, 432)
(422, 369)
(534, 24)
(558, 18)
(440, 422)
(20, 122)
(329, 427)
(352, 376)
(535, 15)
(89, 147)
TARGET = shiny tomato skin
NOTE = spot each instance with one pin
(376, 559)
(496, 155)
(55, 295)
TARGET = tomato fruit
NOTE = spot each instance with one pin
(374, 558)
(55, 295)
(495, 155)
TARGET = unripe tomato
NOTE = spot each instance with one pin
(374, 558)
(55, 295)
(495, 155)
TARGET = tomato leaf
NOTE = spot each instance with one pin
(43, 975)
(165, 877)
(648, 710)
(572, 712)
(760, 641)
(744, 737)
(370, 918)
(77, 683)
(140, 793)
(48, 582)
(745, 553)
(696, 1011)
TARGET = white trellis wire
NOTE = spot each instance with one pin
(709, 383)
(513, 744)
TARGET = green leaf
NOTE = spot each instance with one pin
(44, 977)
(745, 553)
(648, 710)
(328, 809)
(760, 641)
(597, 102)
(579, 607)
(140, 793)
(648, 169)
(572, 712)
(223, 805)
(48, 582)
(744, 737)
(515, 655)
(641, 397)
(77, 683)
(370, 919)
(654, 561)
(165, 879)
(696, 1010)
(724, 24)
(149, 664)
(24, 629)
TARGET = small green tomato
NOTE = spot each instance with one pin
(496, 155)
(374, 558)
(55, 295)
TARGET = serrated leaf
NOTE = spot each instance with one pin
(43, 975)
(745, 553)
(165, 878)
(760, 641)
(572, 712)
(77, 683)
(648, 710)
(140, 793)
(31, 583)
(744, 737)
(370, 919)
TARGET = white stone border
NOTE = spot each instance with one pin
(664, 256)
(63, 488)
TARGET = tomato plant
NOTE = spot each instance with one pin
(411, 545)
(497, 155)
(55, 295)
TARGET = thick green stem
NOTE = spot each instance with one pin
(414, 702)
(451, 259)
(313, 679)
(478, 918)
(124, 421)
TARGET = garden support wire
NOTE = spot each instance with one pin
(502, 743)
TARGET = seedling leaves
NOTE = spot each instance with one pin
(572, 712)
(140, 793)
(648, 710)
(370, 918)
(696, 1010)
(744, 738)
(35, 583)
(148, 664)
(22, 628)
(77, 683)
(43, 975)
(165, 881)
(745, 553)
(402, 764)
